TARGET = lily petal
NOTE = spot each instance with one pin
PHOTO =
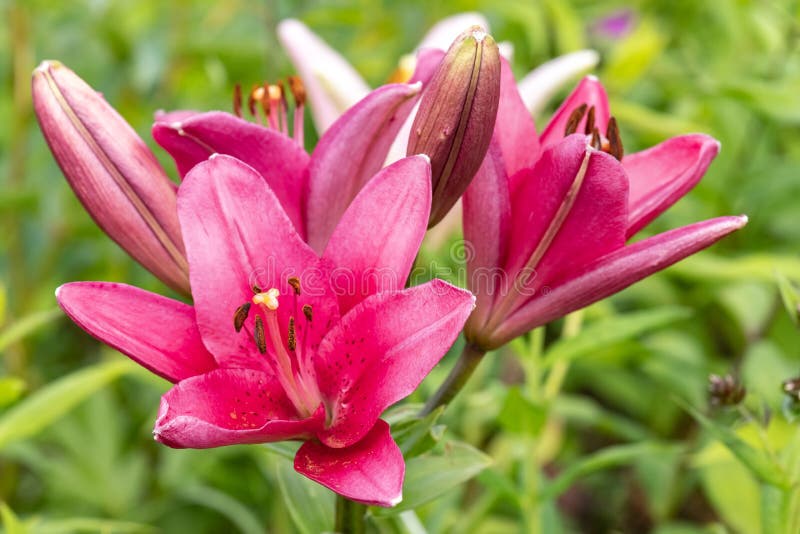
(370, 471)
(332, 84)
(391, 214)
(590, 92)
(661, 175)
(593, 225)
(237, 235)
(279, 160)
(487, 215)
(230, 406)
(615, 272)
(350, 153)
(158, 333)
(381, 350)
(543, 82)
(443, 33)
(515, 132)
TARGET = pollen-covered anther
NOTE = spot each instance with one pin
(308, 312)
(291, 340)
(589, 121)
(298, 90)
(614, 139)
(267, 298)
(240, 316)
(295, 283)
(574, 120)
(260, 337)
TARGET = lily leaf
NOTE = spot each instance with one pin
(11, 523)
(27, 325)
(430, 475)
(418, 435)
(790, 298)
(48, 404)
(11, 388)
(310, 505)
(613, 330)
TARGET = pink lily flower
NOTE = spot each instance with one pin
(273, 348)
(314, 190)
(548, 216)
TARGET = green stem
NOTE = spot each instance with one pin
(470, 357)
(350, 516)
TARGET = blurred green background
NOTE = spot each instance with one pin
(82, 459)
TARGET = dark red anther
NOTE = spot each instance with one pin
(295, 283)
(237, 100)
(574, 120)
(597, 142)
(240, 316)
(614, 140)
(307, 312)
(261, 340)
(589, 121)
(292, 338)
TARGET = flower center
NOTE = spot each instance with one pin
(289, 360)
(267, 103)
(611, 142)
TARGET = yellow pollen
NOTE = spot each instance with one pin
(268, 298)
(404, 70)
(274, 92)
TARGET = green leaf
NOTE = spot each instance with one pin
(607, 331)
(27, 325)
(790, 297)
(49, 403)
(521, 415)
(607, 458)
(758, 461)
(310, 505)
(224, 504)
(73, 525)
(430, 475)
(11, 388)
(284, 449)
(11, 524)
(418, 435)
(751, 267)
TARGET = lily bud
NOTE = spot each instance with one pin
(112, 172)
(456, 117)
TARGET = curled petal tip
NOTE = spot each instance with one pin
(743, 220)
(397, 500)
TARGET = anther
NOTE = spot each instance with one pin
(614, 140)
(574, 119)
(256, 288)
(298, 90)
(240, 316)
(292, 338)
(307, 312)
(596, 140)
(589, 121)
(237, 100)
(295, 283)
(261, 340)
(255, 96)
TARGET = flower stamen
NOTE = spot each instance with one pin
(574, 120)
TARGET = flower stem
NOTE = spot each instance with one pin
(470, 357)
(350, 516)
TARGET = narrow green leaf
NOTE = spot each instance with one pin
(613, 330)
(758, 461)
(790, 297)
(430, 475)
(521, 415)
(237, 513)
(89, 524)
(11, 524)
(27, 325)
(607, 458)
(751, 267)
(46, 405)
(418, 435)
(310, 505)
(11, 388)
(284, 449)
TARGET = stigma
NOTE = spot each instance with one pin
(267, 298)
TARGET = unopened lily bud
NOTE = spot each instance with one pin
(456, 117)
(112, 172)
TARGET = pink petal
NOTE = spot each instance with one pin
(350, 153)
(661, 175)
(594, 226)
(381, 350)
(174, 116)
(378, 237)
(370, 471)
(487, 215)
(230, 406)
(332, 84)
(158, 333)
(515, 131)
(279, 160)
(615, 272)
(236, 236)
(590, 92)
(112, 171)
